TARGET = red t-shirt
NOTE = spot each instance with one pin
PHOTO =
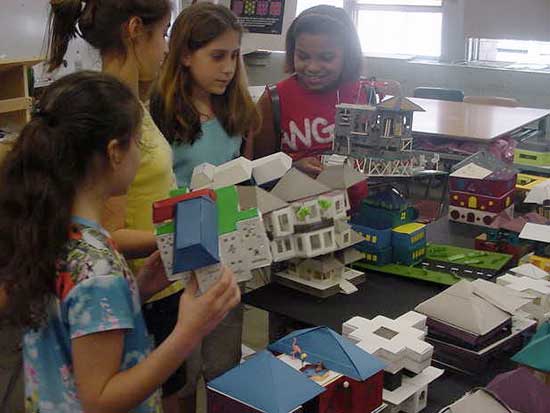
(307, 117)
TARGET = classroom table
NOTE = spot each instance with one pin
(472, 122)
(385, 295)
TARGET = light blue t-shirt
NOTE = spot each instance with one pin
(95, 292)
(214, 146)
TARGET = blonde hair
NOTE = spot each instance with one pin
(171, 105)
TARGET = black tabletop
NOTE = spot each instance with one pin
(381, 294)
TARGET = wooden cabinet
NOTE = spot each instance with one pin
(15, 102)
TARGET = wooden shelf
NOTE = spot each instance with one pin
(13, 105)
(6, 64)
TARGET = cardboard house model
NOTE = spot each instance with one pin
(262, 384)
(521, 390)
(470, 322)
(352, 377)
(380, 137)
(307, 223)
(480, 187)
(389, 236)
(401, 344)
(479, 400)
(502, 235)
(540, 236)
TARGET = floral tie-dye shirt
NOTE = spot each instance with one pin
(95, 291)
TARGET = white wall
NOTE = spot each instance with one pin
(532, 89)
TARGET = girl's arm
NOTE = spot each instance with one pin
(265, 141)
(131, 243)
(103, 388)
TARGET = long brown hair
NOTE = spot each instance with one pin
(171, 105)
(334, 21)
(100, 22)
(78, 116)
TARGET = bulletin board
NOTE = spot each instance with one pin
(260, 16)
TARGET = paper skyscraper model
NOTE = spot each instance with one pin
(400, 344)
(481, 187)
(379, 138)
(351, 376)
(470, 323)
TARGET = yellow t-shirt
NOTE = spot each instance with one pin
(154, 181)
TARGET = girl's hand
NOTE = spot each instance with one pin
(310, 165)
(200, 315)
(151, 277)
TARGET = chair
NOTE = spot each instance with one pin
(440, 93)
(492, 100)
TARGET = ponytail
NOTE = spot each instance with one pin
(78, 116)
(100, 22)
(62, 29)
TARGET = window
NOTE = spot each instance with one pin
(315, 242)
(288, 245)
(328, 239)
(284, 223)
(407, 27)
(519, 54)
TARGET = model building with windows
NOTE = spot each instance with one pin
(379, 137)
(480, 188)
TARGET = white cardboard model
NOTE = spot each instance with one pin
(478, 401)
(531, 271)
(395, 342)
(232, 173)
(340, 177)
(256, 197)
(412, 395)
(460, 307)
(539, 308)
(203, 176)
(270, 168)
(504, 298)
(535, 232)
(296, 185)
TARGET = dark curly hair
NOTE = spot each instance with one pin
(324, 19)
(77, 118)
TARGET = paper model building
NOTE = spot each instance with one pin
(502, 235)
(262, 384)
(471, 322)
(535, 354)
(352, 377)
(400, 344)
(521, 391)
(380, 137)
(540, 236)
(480, 187)
(384, 222)
(307, 223)
(478, 401)
(537, 289)
(197, 230)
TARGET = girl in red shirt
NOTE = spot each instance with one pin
(323, 54)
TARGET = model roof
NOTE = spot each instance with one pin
(398, 104)
(321, 344)
(389, 198)
(461, 308)
(476, 165)
(295, 185)
(535, 232)
(536, 354)
(531, 271)
(256, 197)
(266, 383)
(340, 177)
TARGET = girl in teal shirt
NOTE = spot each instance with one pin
(203, 107)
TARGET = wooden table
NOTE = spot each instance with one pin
(472, 122)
